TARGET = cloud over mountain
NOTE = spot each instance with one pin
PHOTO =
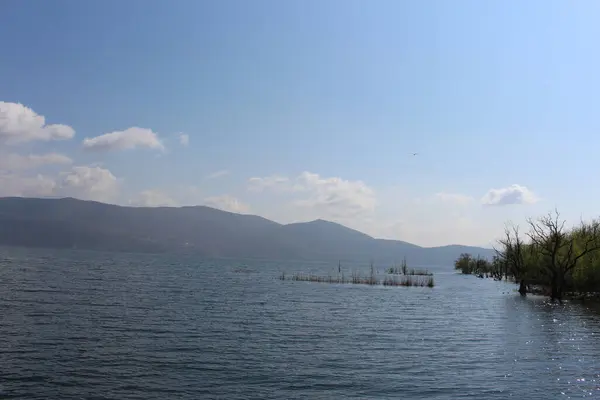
(16, 162)
(37, 160)
(152, 198)
(227, 203)
(88, 183)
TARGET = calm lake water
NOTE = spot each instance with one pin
(77, 325)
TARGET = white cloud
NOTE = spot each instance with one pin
(388, 212)
(513, 194)
(26, 186)
(454, 198)
(14, 162)
(130, 138)
(82, 182)
(318, 197)
(227, 203)
(89, 183)
(19, 124)
(153, 198)
(217, 174)
(334, 197)
(184, 139)
(269, 182)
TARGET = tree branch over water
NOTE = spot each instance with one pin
(555, 257)
(512, 255)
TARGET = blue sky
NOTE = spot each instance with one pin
(299, 110)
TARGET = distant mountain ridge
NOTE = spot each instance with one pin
(201, 230)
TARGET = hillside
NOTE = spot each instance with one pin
(205, 231)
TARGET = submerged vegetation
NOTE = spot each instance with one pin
(404, 270)
(419, 280)
(411, 271)
(549, 256)
(407, 280)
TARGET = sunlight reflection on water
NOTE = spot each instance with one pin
(124, 326)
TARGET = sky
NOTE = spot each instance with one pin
(300, 110)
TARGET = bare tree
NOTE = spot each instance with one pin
(560, 248)
(512, 255)
(497, 267)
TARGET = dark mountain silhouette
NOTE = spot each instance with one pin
(205, 231)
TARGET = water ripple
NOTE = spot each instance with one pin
(90, 325)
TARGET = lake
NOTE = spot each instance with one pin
(76, 324)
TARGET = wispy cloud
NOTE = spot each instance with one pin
(128, 139)
(184, 139)
(320, 197)
(454, 198)
(227, 203)
(217, 174)
(258, 184)
(152, 198)
(14, 162)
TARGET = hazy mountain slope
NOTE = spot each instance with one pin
(203, 230)
(328, 240)
(65, 223)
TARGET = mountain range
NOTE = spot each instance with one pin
(200, 230)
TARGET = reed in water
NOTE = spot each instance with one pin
(404, 270)
(407, 271)
(356, 279)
